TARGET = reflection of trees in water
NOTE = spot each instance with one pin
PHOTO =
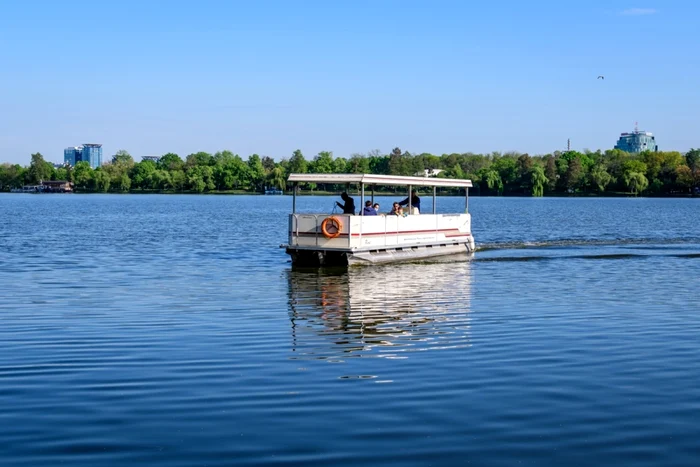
(369, 309)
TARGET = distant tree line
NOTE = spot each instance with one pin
(570, 172)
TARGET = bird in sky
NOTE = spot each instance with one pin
(601, 77)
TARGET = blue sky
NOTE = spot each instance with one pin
(269, 77)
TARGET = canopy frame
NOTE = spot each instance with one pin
(373, 180)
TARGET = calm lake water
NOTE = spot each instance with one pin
(171, 330)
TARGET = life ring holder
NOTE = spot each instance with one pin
(335, 225)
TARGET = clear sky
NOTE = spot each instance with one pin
(269, 77)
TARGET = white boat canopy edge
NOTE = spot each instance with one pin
(370, 179)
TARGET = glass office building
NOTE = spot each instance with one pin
(90, 153)
(72, 155)
(637, 141)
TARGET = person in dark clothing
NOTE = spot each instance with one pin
(349, 206)
(415, 201)
(369, 210)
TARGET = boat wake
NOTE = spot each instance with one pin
(654, 243)
(602, 249)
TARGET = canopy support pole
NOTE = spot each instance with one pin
(434, 200)
(372, 195)
(362, 199)
(294, 197)
(466, 200)
(410, 210)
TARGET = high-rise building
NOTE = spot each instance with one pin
(90, 153)
(637, 141)
(72, 155)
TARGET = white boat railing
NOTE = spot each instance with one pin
(416, 229)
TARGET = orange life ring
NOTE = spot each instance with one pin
(331, 227)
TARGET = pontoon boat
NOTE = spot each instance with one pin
(318, 239)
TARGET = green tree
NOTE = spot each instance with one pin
(160, 180)
(178, 180)
(82, 176)
(221, 157)
(399, 164)
(455, 172)
(297, 163)
(684, 178)
(340, 165)
(538, 180)
(506, 166)
(224, 178)
(123, 159)
(61, 174)
(201, 178)
(523, 167)
(39, 169)
(277, 179)
(322, 163)
(574, 174)
(124, 183)
(11, 176)
(268, 163)
(199, 159)
(550, 170)
(141, 174)
(256, 172)
(692, 159)
(170, 162)
(358, 164)
(101, 180)
(196, 181)
(633, 165)
(493, 181)
(636, 182)
(377, 163)
(600, 177)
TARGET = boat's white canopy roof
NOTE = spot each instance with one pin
(370, 179)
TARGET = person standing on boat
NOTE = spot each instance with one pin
(349, 206)
(415, 202)
(369, 210)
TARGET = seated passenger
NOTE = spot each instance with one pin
(376, 208)
(395, 208)
(368, 209)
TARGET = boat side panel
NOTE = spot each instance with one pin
(388, 231)
(305, 231)
(367, 232)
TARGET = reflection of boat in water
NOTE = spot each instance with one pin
(384, 311)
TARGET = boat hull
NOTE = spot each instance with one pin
(308, 257)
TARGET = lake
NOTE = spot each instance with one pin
(170, 330)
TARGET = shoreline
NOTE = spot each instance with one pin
(386, 194)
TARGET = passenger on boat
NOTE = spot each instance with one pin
(415, 202)
(397, 210)
(368, 209)
(376, 207)
(349, 206)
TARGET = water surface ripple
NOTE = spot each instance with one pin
(171, 330)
